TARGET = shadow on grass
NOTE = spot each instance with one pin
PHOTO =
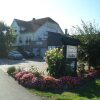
(90, 89)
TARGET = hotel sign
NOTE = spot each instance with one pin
(71, 51)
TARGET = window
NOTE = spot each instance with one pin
(26, 40)
(39, 39)
(20, 40)
(30, 40)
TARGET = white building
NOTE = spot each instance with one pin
(34, 35)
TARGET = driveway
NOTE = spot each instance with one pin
(23, 64)
(11, 90)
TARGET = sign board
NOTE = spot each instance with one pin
(71, 51)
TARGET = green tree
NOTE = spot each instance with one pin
(7, 37)
(89, 50)
(3, 51)
(10, 38)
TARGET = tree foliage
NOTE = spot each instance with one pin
(2, 45)
(10, 38)
(89, 50)
(7, 37)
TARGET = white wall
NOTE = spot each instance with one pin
(53, 27)
(42, 31)
(16, 27)
(24, 36)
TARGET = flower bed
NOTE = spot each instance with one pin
(93, 74)
(48, 83)
(71, 81)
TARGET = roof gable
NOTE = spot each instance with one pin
(33, 25)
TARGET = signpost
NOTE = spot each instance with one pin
(71, 58)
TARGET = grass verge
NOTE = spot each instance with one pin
(90, 91)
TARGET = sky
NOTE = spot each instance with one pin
(67, 13)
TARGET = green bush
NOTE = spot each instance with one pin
(35, 71)
(11, 70)
(55, 61)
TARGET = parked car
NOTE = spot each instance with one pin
(15, 55)
(26, 54)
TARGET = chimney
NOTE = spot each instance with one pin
(66, 30)
(33, 19)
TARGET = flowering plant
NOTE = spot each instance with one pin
(55, 61)
(72, 81)
(18, 75)
(47, 83)
(93, 73)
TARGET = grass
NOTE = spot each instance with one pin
(90, 91)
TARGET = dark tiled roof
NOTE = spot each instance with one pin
(70, 41)
(54, 39)
(33, 25)
(60, 39)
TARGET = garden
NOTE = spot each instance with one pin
(59, 84)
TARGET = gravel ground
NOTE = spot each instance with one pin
(23, 64)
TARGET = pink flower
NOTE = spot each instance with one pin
(20, 74)
(27, 76)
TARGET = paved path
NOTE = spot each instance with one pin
(11, 90)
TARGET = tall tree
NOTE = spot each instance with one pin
(89, 50)
(10, 38)
(7, 37)
(3, 51)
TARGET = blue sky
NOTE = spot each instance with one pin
(66, 12)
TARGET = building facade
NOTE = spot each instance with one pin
(37, 35)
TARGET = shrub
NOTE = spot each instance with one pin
(26, 79)
(11, 70)
(55, 61)
(50, 83)
(37, 83)
(47, 83)
(81, 70)
(70, 81)
(93, 74)
(34, 70)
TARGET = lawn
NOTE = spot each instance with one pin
(90, 91)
